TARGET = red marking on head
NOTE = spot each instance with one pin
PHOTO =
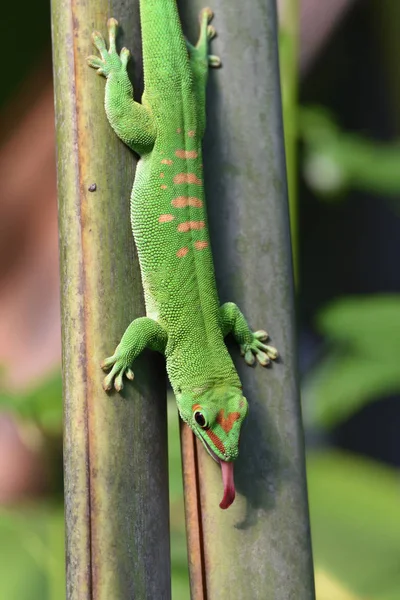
(187, 178)
(227, 422)
(191, 133)
(188, 225)
(162, 175)
(200, 245)
(183, 201)
(196, 407)
(165, 218)
(182, 252)
(186, 154)
(215, 440)
(163, 186)
(166, 161)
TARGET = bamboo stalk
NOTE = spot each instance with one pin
(289, 69)
(260, 547)
(116, 488)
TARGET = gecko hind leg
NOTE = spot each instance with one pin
(200, 61)
(199, 53)
(131, 121)
(109, 60)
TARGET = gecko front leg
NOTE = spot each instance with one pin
(142, 333)
(251, 343)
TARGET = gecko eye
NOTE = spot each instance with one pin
(200, 419)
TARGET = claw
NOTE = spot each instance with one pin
(206, 13)
(112, 25)
(94, 61)
(214, 61)
(125, 56)
(108, 382)
(249, 357)
(100, 44)
(261, 335)
(107, 363)
(211, 32)
(272, 352)
(130, 374)
(118, 383)
(263, 359)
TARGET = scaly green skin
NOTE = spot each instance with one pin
(184, 319)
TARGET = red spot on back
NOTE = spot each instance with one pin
(188, 225)
(227, 422)
(183, 201)
(182, 252)
(191, 133)
(162, 175)
(187, 178)
(200, 245)
(165, 218)
(166, 161)
(186, 154)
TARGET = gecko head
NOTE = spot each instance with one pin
(216, 415)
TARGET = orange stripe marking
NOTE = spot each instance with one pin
(188, 225)
(191, 133)
(200, 245)
(187, 178)
(186, 154)
(165, 218)
(166, 161)
(216, 441)
(182, 252)
(183, 201)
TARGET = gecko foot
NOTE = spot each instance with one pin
(119, 364)
(109, 60)
(199, 52)
(256, 349)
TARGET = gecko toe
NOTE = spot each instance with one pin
(261, 335)
(214, 61)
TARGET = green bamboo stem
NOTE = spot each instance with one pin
(289, 69)
(260, 547)
(116, 488)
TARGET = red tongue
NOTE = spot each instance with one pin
(229, 485)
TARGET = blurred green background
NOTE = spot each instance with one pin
(341, 88)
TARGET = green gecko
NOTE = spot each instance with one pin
(184, 318)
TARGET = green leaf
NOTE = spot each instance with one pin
(355, 522)
(336, 159)
(368, 324)
(364, 363)
(32, 556)
(42, 404)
